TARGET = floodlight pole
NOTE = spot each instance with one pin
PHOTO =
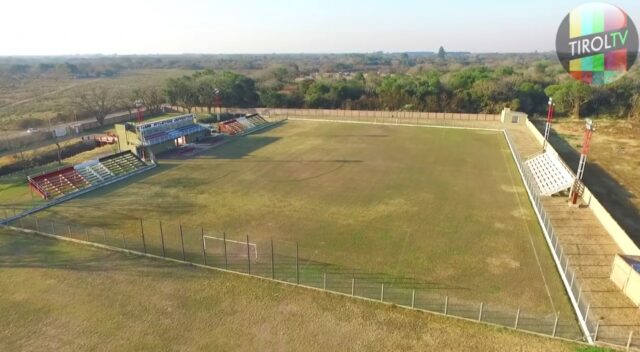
(586, 144)
(139, 115)
(216, 96)
(547, 128)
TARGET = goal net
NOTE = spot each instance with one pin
(231, 248)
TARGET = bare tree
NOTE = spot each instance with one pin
(99, 101)
(126, 99)
(152, 98)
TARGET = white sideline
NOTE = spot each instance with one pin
(399, 124)
(334, 293)
(565, 281)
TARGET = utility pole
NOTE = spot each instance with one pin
(590, 127)
(547, 128)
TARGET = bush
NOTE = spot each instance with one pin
(29, 122)
(47, 157)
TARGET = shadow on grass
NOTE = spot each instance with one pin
(613, 195)
(238, 148)
(32, 251)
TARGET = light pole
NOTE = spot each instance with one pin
(139, 115)
(216, 97)
(590, 127)
(547, 128)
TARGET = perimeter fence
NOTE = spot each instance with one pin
(599, 331)
(284, 261)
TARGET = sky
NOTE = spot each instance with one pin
(70, 27)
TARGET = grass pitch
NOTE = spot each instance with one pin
(442, 208)
(63, 297)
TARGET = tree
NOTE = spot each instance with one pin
(126, 99)
(442, 55)
(152, 98)
(99, 101)
(570, 96)
(182, 91)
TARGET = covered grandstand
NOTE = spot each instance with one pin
(151, 138)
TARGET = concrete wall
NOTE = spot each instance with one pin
(626, 278)
(616, 232)
(360, 114)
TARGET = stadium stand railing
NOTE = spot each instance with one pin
(71, 179)
(242, 125)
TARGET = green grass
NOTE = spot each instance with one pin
(441, 210)
(57, 296)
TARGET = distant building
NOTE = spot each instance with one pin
(151, 138)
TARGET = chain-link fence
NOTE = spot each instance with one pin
(286, 261)
(621, 335)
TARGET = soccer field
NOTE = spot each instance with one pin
(442, 209)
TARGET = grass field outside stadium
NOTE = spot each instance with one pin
(443, 209)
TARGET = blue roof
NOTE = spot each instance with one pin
(173, 134)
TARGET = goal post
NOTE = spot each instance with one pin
(233, 248)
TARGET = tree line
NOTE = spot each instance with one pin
(443, 84)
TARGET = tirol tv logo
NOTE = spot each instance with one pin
(597, 43)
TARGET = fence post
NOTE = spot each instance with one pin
(124, 242)
(629, 340)
(579, 295)
(586, 314)
(204, 248)
(86, 232)
(224, 241)
(53, 227)
(353, 286)
(573, 276)
(273, 268)
(184, 257)
(37, 225)
(248, 257)
(595, 336)
(104, 235)
(555, 325)
(413, 298)
(69, 230)
(144, 243)
(446, 305)
(382, 292)
(162, 239)
(297, 266)
(324, 280)
(517, 319)
(481, 308)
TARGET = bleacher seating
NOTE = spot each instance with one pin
(74, 178)
(256, 119)
(121, 163)
(59, 182)
(242, 124)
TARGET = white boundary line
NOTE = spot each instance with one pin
(222, 239)
(530, 235)
(565, 281)
(402, 124)
(287, 283)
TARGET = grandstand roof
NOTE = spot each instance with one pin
(163, 136)
(550, 173)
